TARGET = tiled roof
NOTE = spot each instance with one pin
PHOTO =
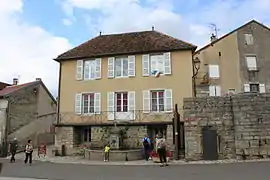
(10, 89)
(3, 85)
(126, 43)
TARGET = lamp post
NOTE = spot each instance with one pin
(196, 63)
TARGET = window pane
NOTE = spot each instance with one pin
(85, 103)
(91, 109)
(154, 95)
(118, 102)
(92, 69)
(214, 71)
(125, 102)
(118, 67)
(154, 104)
(125, 108)
(161, 101)
(125, 67)
(161, 107)
(161, 94)
(118, 96)
(118, 108)
(125, 96)
(251, 62)
(160, 63)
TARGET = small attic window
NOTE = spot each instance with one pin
(249, 39)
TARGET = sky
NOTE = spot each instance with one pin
(34, 32)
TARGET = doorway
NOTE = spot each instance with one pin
(209, 142)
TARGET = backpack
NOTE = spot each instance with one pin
(162, 144)
(145, 142)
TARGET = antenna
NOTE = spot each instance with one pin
(214, 28)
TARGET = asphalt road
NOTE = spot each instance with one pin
(44, 170)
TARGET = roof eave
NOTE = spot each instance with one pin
(118, 54)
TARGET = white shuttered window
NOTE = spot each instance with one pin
(87, 103)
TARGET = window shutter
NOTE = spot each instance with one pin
(79, 70)
(145, 64)
(146, 101)
(251, 61)
(110, 104)
(246, 88)
(78, 103)
(167, 63)
(97, 103)
(168, 106)
(218, 91)
(131, 104)
(98, 68)
(212, 91)
(262, 88)
(131, 66)
(111, 67)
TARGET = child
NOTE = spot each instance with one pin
(106, 152)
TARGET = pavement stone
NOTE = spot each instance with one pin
(17, 178)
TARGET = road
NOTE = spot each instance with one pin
(51, 171)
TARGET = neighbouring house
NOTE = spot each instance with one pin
(128, 82)
(235, 63)
(27, 111)
(3, 85)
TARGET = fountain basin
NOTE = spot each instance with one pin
(115, 155)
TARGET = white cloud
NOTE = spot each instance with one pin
(194, 25)
(27, 50)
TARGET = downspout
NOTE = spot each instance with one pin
(59, 92)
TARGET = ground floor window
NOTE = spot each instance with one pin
(86, 134)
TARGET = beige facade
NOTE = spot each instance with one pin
(234, 63)
(176, 81)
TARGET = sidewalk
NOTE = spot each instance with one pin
(80, 160)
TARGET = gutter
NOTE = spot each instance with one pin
(59, 93)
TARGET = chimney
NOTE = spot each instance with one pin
(213, 38)
(38, 79)
(153, 28)
(15, 81)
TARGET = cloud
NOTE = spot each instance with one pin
(189, 21)
(27, 50)
(67, 22)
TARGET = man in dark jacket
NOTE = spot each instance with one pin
(13, 149)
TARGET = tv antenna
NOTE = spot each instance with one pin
(214, 29)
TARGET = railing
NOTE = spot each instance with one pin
(137, 116)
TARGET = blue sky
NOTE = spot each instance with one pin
(34, 32)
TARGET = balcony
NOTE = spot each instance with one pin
(133, 117)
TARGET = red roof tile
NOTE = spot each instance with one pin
(3, 85)
(126, 43)
(10, 89)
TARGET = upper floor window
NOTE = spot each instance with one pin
(157, 101)
(121, 101)
(121, 67)
(254, 87)
(251, 62)
(213, 71)
(89, 69)
(87, 103)
(249, 39)
(156, 64)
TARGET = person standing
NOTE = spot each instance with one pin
(28, 152)
(106, 153)
(146, 146)
(13, 149)
(161, 146)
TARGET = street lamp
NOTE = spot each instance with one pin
(196, 63)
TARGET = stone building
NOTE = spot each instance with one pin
(27, 111)
(227, 127)
(118, 88)
(236, 62)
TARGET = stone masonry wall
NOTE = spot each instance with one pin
(242, 123)
(132, 136)
(65, 136)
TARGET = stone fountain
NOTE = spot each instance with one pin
(115, 137)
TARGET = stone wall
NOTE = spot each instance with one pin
(65, 136)
(242, 123)
(132, 135)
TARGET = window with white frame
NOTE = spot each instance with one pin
(121, 67)
(254, 87)
(214, 90)
(214, 71)
(121, 101)
(251, 62)
(88, 69)
(157, 64)
(87, 103)
(157, 101)
(249, 39)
